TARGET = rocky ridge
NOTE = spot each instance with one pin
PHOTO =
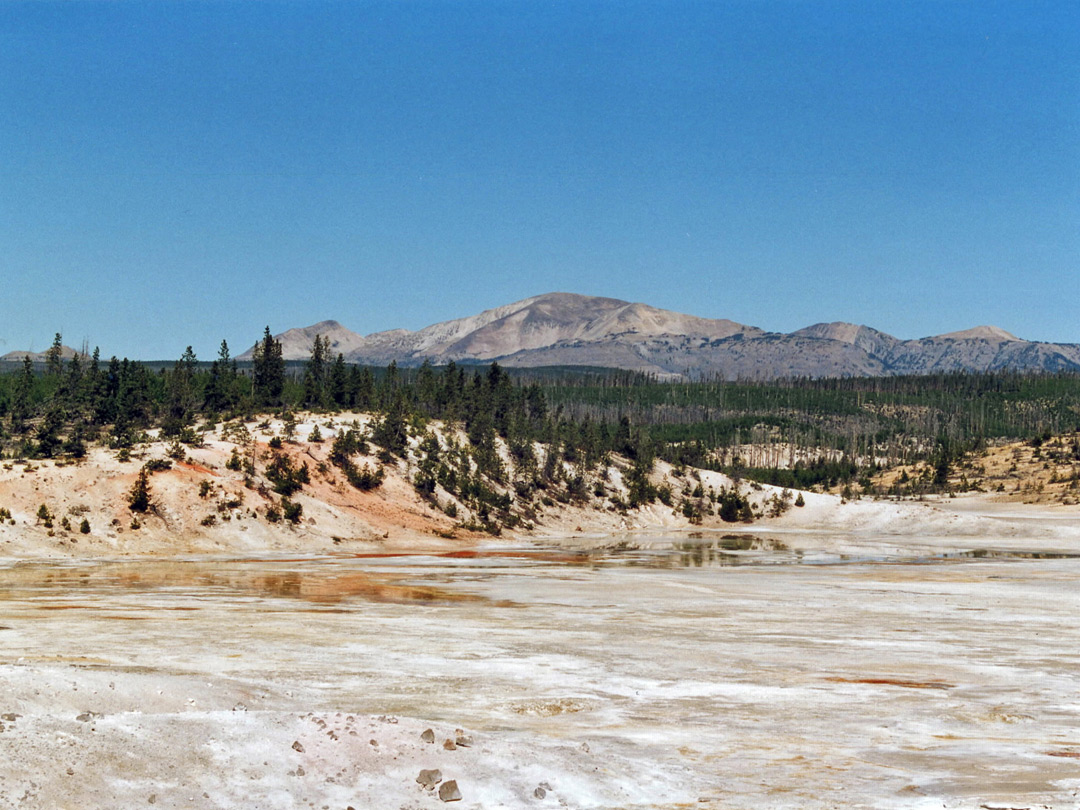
(566, 329)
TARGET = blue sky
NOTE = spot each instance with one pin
(178, 173)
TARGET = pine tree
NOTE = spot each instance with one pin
(54, 355)
(315, 373)
(268, 371)
(339, 382)
(139, 497)
(71, 387)
(220, 392)
(182, 393)
(20, 401)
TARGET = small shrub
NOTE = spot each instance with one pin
(234, 463)
(84, 527)
(204, 488)
(364, 478)
(286, 478)
(424, 485)
(209, 520)
(190, 437)
(292, 512)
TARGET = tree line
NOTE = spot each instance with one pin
(824, 431)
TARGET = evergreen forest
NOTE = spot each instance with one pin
(800, 433)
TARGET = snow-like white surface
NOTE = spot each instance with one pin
(718, 673)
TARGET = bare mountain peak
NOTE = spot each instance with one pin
(66, 353)
(979, 333)
(297, 343)
(325, 326)
(836, 330)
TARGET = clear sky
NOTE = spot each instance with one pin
(175, 173)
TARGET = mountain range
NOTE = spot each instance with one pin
(66, 353)
(566, 329)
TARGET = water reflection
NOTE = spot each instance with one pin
(991, 554)
(318, 581)
(698, 551)
(732, 549)
(415, 578)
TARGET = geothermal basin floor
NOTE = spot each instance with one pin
(712, 674)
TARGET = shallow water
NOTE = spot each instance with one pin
(732, 670)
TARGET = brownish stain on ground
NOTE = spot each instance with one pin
(1067, 754)
(895, 682)
(199, 468)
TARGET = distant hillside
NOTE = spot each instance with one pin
(565, 329)
(66, 353)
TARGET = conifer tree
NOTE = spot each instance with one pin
(139, 497)
(315, 373)
(220, 393)
(339, 382)
(268, 371)
(54, 355)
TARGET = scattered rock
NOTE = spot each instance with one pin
(86, 717)
(297, 746)
(428, 736)
(449, 744)
(11, 717)
(448, 791)
(153, 798)
(550, 708)
(464, 740)
(428, 779)
(585, 747)
(539, 793)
